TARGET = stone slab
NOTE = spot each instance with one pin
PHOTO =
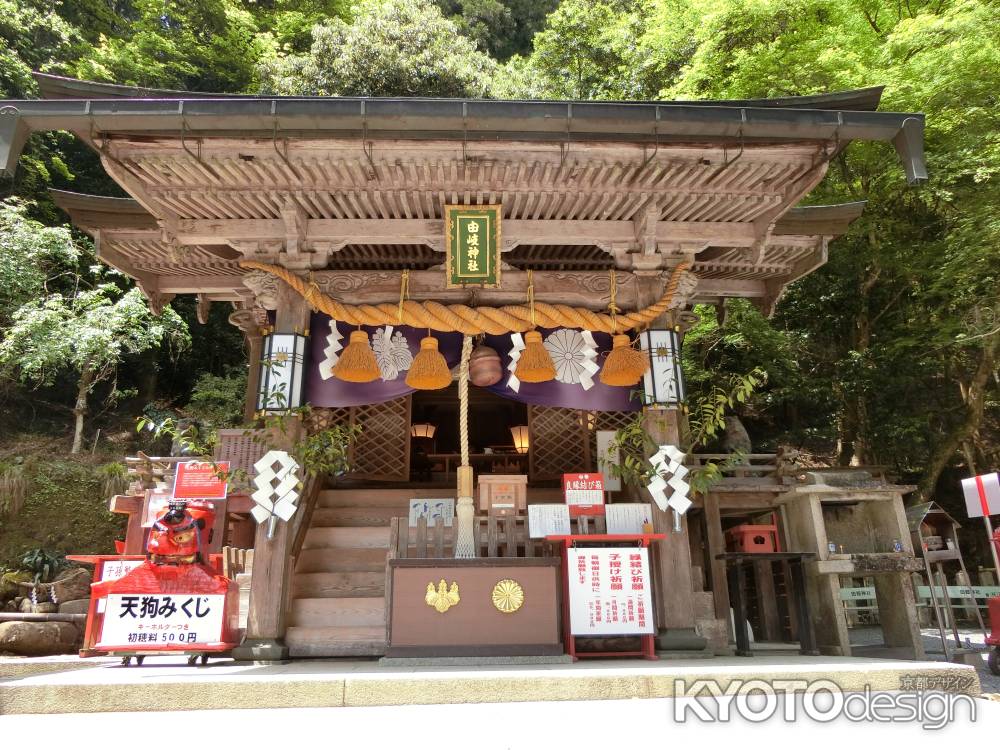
(165, 683)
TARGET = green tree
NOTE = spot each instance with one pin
(31, 257)
(393, 48)
(88, 334)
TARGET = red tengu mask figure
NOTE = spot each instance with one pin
(174, 538)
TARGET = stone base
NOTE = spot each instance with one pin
(716, 633)
(262, 651)
(470, 661)
(680, 639)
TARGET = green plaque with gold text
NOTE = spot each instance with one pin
(473, 245)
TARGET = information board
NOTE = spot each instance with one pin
(628, 518)
(609, 591)
(432, 509)
(584, 493)
(132, 620)
(548, 519)
(201, 480)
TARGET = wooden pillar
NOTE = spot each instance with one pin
(272, 562)
(247, 321)
(676, 593)
(716, 546)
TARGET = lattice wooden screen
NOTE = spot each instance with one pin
(556, 440)
(382, 450)
(239, 448)
(565, 440)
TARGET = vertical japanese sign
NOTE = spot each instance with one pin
(133, 620)
(609, 591)
(472, 239)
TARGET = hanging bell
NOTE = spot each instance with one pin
(484, 366)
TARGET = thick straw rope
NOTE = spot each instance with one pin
(463, 399)
(473, 320)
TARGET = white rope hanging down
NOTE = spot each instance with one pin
(465, 534)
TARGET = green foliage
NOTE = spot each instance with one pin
(393, 48)
(31, 256)
(633, 445)
(501, 28)
(44, 564)
(218, 400)
(327, 452)
(65, 512)
(114, 478)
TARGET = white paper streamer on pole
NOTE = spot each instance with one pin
(668, 463)
(277, 489)
(332, 351)
(515, 354)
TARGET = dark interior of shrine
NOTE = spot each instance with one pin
(498, 434)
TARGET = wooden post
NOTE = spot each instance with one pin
(272, 561)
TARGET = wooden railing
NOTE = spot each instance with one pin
(496, 536)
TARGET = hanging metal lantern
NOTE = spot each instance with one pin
(663, 382)
(282, 372)
(484, 366)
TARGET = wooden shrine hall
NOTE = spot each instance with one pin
(322, 216)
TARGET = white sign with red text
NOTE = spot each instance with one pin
(609, 591)
(135, 620)
(584, 493)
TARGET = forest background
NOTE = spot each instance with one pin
(888, 355)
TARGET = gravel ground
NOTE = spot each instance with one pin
(872, 636)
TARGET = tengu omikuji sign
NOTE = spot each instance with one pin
(609, 591)
(472, 239)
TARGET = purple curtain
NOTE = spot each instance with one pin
(335, 392)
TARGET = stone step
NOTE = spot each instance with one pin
(335, 641)
(332, 560)
(350, 537)
(356, 516)
(318, 585)
(354, 611)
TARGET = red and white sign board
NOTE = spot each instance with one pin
(201, 480)
(584, 494)
(134, 620)
(609, 591)
(982, 495)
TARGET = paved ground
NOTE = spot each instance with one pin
(580, 725)
(932, 645)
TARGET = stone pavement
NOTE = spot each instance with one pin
(166, 683)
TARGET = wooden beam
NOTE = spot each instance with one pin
(425, 231)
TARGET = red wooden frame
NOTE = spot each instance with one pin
(648, 641)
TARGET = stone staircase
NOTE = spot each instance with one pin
(338, 587)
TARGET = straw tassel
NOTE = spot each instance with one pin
(429, 370)
(535, 364)
(624, 365)
(357, 362)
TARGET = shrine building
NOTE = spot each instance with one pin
(544, 250)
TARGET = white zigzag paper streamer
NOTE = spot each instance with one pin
(332, 352)
(515, 354)
(668, 462)
(273, 501)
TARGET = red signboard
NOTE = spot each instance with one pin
(201, 480)
(584, 494)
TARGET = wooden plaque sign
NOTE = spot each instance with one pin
(472, 235)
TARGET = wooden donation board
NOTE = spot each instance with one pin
(486, 607)
(503, 494)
